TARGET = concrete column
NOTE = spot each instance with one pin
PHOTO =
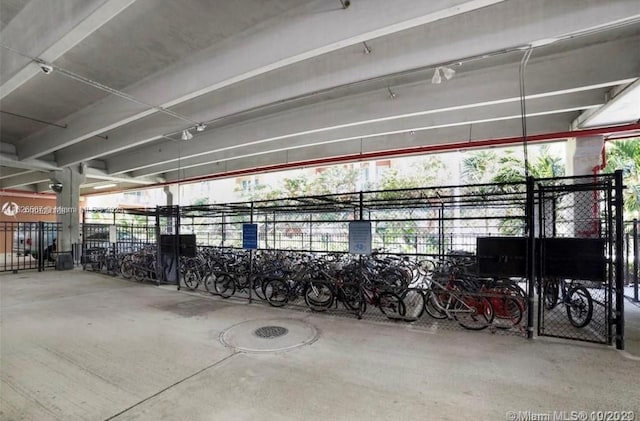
(583, 156)
(172, 193)
(68, 183)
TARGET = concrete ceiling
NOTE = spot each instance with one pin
(289, 81)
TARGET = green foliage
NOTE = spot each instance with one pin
(336, 179)
(478, 167)
(201, 201)
(625, 155)
(489, 167)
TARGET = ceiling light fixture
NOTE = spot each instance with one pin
(104, 186)
(186, 135)
(447, 72)
(200, 127)
(440, 71)
(436, 79)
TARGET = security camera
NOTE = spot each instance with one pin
(56, 187)
(345, 4)
(46, 69)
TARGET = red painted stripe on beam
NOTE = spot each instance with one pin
(544, 137)
(419, 149)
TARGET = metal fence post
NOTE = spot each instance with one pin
(83, 234)
(224, 230)
(40, 246)
(619, 263)
(159, 266)
(275, 245)
(176, 255)
(360, 264)
(531, 253)
(441, 245)
(635, 260)
(627, 251)
(250, 274)
(310, 232)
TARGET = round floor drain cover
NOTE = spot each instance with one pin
(268, 332)
(269, 335)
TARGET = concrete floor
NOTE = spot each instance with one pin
(81, 346)
(10, 261)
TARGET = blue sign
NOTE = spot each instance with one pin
(250, 236)
(360, 237)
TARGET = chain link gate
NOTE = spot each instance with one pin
(578, 257)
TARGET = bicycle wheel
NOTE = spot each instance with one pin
(551, 293)
(96, 265)
(434, 304)
(209, 280)
(414, 302)
(391, 305)
(473, 313)
(579, 306)
(318, 296)
(276, 292)
(509, 310)
(224, 285)
(139, 274)
(104, 265)
(351, 297)
(113, 267)
(258, 287)
(191, 279)
(126, 269)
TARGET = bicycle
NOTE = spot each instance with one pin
(451, 301)
(576, 298)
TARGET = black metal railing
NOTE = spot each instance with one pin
(632, 257)
(28, 245)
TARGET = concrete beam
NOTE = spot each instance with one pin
(466, 117)
(92, 182)
(24, 179)
(41, 187)
(353, 148)
(312, 34)
(7, 148)
(548, 76)
(48, 29)
(102, 175)
(6, 172)
(11, 160)
(622, 107)
(27, 189)
(305, 32)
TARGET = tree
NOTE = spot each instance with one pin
(334, 179)
(625, 155)
(420, 172)
(511, 169)
(479, 166)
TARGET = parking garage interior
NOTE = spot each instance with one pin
(500, 298)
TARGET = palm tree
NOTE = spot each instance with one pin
(512, 169)
(479, 166)
(625, 155)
